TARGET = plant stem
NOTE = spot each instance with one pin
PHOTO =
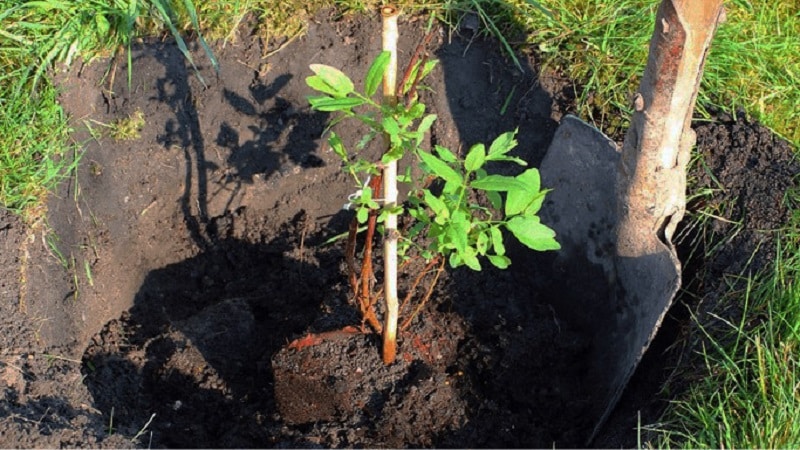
(365, 297)
(390, 35)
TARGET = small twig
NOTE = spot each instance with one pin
(282, 46)
(144, 211)
(427, 297)
(144, 429)
(417, 281)
(303, 239)
(114, 60)
(62, 358)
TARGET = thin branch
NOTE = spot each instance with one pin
(427, 297)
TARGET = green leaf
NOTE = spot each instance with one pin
(102, 25)
(438, 207)
(446, 154)
(495, 199)
(532, 233)
(333, 78)
(458, 231)
(536, 204)
(424, 126)
(452, 188)
(502, 145)
(394, 154)
(504, 158)
(518, 200)
(368, 120)
(365, 140)
(397, 210)
(390, 126)
(440, 168)
(362, 215)
(416, 229)
(497, 241)
(416, 111)
(428, 67)
(499, 183)
(531, 179)
(405, 177)
(419, 214)
(329, 104)
(471, 260)
(375, 73)
(475, 157)
(482, 243)
(318, 84)
(338, 147)
(499, 261)
(455, 260)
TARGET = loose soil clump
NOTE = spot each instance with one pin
(158, 307)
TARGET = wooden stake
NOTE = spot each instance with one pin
(390, 35)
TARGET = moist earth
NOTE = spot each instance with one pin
(184, 291)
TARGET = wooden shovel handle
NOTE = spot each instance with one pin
(652, 180)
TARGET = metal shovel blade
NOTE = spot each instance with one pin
(619, 302)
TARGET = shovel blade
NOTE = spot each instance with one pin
(619, 302)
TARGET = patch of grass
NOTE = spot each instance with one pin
(35, 35)
(34, 150)
(747, 395)
(743, 377)
(753, 63)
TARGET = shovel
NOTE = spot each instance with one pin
(615, 210)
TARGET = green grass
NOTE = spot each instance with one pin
(744, 375)
(753, 63)
(34, 150)
(746, 394)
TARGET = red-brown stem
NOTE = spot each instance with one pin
(412, 91)
(410, 67)
(366, 299)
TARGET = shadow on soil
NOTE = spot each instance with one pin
(197, 343)
(195, 348)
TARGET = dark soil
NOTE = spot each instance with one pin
(155, 307)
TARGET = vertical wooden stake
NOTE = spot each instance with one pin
(389, 14)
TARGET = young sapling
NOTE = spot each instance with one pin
(445, 221)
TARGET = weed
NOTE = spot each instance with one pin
(128, 128)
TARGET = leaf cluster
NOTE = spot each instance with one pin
(445, 213)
